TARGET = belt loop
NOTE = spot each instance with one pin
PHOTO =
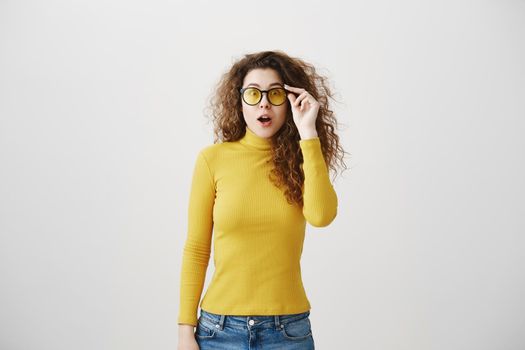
(221, 322)
(277, 322)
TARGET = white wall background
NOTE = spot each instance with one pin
(102, 115)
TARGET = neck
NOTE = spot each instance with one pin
(253, 140)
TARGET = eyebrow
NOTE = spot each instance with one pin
(272, 84)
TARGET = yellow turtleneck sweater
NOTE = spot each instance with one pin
(258, 236)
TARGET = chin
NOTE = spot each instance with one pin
(266, 132)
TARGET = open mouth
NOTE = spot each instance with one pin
(265, 121)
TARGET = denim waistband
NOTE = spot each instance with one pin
(252, 321)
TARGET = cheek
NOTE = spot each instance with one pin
(249, 111)
(281, 112)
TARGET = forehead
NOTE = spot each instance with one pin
(262, 77)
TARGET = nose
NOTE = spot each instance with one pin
(264, 100)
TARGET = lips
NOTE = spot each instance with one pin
(264, 118)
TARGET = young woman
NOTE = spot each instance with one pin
(256, 190)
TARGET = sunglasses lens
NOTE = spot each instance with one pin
(277, 96)
(251, 96)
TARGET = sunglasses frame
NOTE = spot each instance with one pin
(262, 92)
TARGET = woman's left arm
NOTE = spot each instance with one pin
(319, 196)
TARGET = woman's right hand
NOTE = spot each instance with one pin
(187, 339)
(188, 344)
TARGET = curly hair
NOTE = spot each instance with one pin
(286, 155)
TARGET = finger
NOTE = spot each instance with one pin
(310, 99)
(305, 102)
(300, 98)
(288, 87)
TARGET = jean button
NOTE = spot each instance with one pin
(251, 322)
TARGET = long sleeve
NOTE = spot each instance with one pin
(196, 254)
(319, 196)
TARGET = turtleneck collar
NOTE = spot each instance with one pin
(253, 140)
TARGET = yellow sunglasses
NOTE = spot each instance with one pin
(252, 95)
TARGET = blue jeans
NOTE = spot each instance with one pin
(232, 332)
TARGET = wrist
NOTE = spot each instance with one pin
(308, 134)
(185, 329)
